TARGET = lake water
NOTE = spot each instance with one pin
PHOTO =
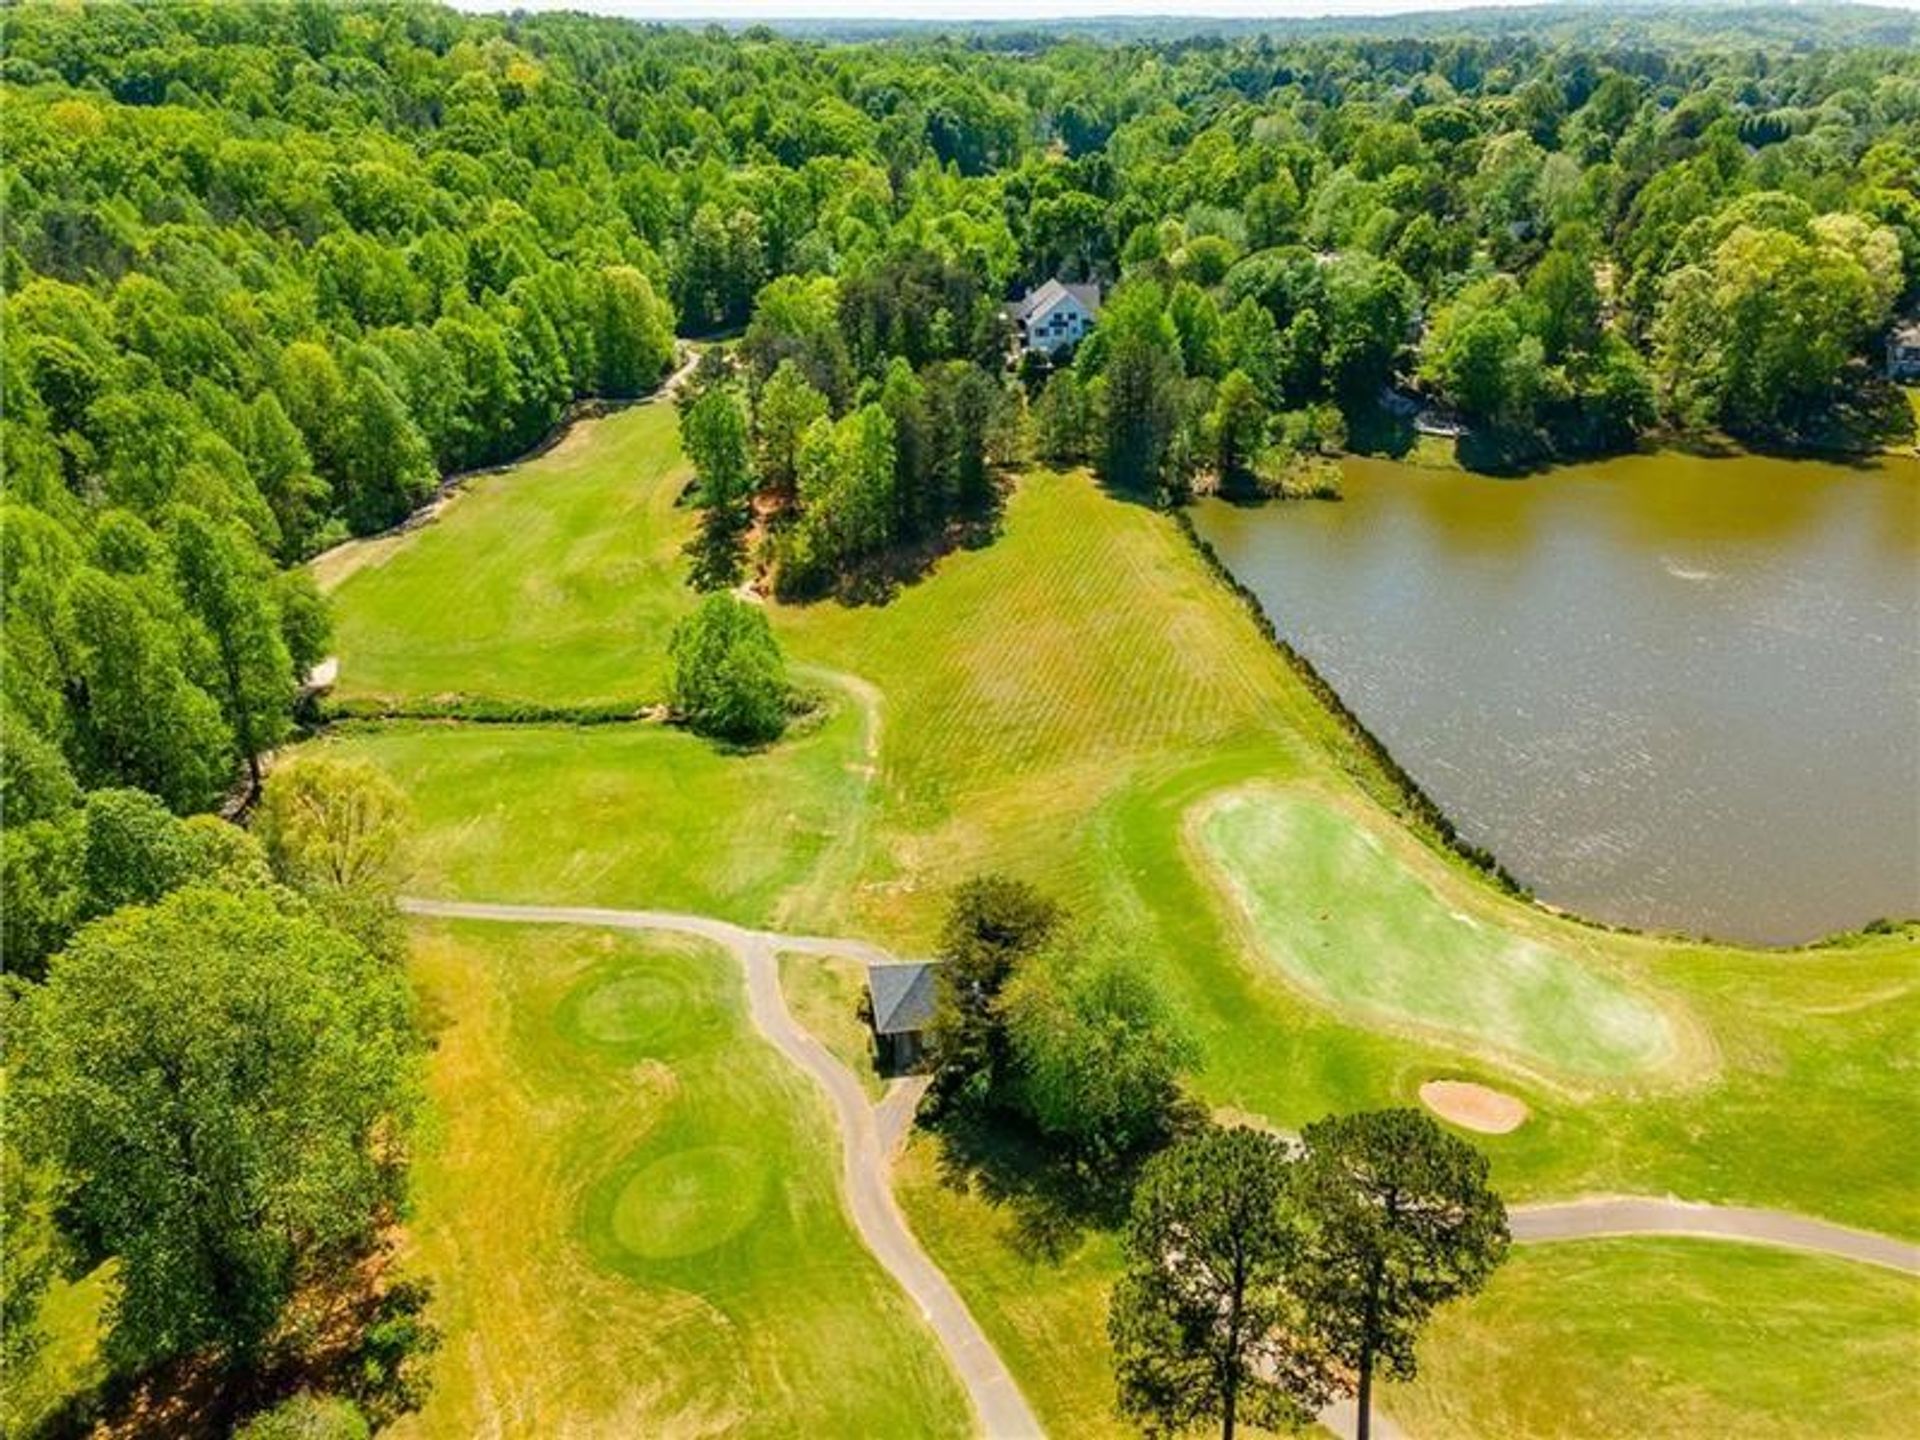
(1668, 692)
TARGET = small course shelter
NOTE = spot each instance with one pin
(902, 996)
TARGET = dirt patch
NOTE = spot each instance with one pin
(1473, 1107)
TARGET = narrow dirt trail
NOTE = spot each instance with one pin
(1001, 1408)
(837, 868)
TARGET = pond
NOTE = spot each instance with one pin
(1666, 691)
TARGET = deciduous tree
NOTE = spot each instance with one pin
(788, 406)
(336, 830)
(220, 1083)
(231, 596)
(729, 678)
(993, 922)
(1097, 1051)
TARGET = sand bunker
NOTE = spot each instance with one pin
(1473, 1107)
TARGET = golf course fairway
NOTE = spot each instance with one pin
(1072, 703)
(630, 1208)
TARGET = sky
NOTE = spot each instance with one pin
(1029, 10)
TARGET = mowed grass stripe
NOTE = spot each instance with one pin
(635, 816)
(1803, 1072)
(1028, 681)
(1058, 705)
(630, 1209)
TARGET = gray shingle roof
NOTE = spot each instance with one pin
(903, 995)
(1054, 291)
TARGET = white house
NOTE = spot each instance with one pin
(1056, 315)
(1903, 351)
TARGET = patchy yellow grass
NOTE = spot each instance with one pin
(1060, 705)
(629, 1208)
(1671, 1338)
(1029, 681)
(824, 994)
(1039, 1293)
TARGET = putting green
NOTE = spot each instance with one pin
(629, 1206)
(646, 1014)
(689, 1202)
(1356, 928)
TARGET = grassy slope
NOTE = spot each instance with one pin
(550, 585)
(1647, 1338)
(630, 1208)
(1596, 1338)
(1058, 704)
(634, 815)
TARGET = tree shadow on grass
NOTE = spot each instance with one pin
(1052, 1198)
(1376, 430)
(359, 1332)
(1050, 1201)
(878, 579)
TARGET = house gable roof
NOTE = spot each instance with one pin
(1043, 299)
(903, 995)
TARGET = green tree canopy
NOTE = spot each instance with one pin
(729, 678)
(993, 922)
(336, 831)
(1401, 1220)
(1206, 1323)
(219, 1083)
(1097, 1051)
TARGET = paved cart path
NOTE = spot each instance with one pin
(1002, 1409)
(867, 1153)
(1650, 1215)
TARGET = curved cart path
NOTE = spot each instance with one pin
(1647, 1215)
(1002, 1409)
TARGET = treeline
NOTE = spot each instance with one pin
(862, 425)
(211, 1084)
(236, 279)
(272, 269)
(1561, 253)
(269, 272)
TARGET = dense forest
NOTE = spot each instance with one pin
(271, 271)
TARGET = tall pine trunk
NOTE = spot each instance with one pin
(1369, 1327)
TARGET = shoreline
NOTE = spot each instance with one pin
(1434, 826)
(1432, 452)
